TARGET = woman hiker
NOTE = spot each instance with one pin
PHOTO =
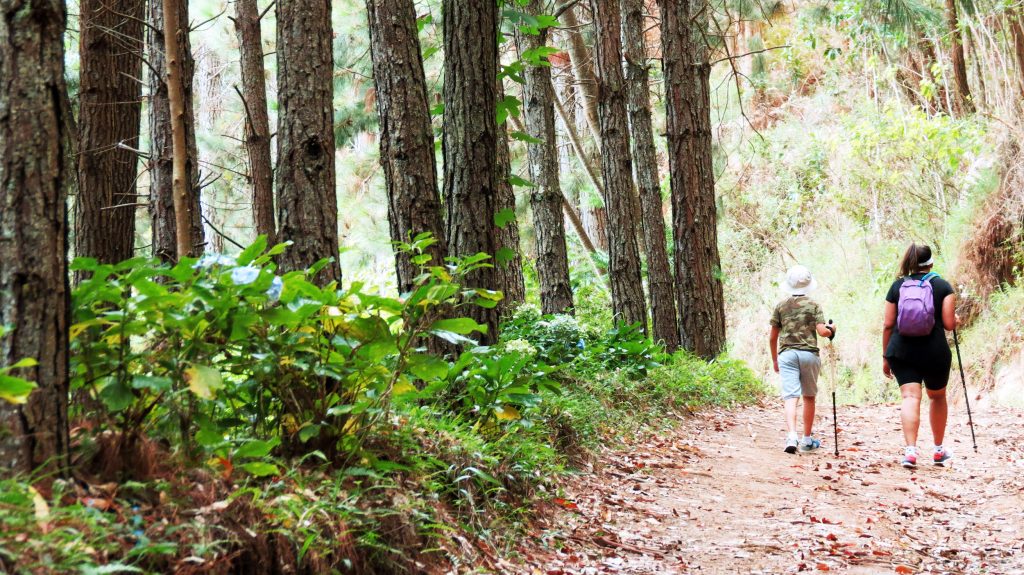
(919, 307)
(797, 322)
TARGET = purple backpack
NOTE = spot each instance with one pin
(916, 308)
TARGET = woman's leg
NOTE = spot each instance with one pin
(910, 412)
(938, 412)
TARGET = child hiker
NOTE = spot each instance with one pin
(919, 308)
(796, 324)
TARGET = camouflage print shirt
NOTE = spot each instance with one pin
(797, 318)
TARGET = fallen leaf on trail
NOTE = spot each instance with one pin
(903, 569)
(565, 503)
(823, 567)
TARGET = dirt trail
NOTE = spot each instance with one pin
(719, 496)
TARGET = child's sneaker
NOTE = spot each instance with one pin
(910, 458)
(941, 456)
(791, 445)
(809, 444)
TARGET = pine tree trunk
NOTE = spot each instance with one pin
(1017, 30)
(963, 89)
(661, 288)
(307, 207)
(694, 225)
(509, 266)
(583, 70)
(406, 134)
(34, 179)
(469, 142)
(257, 123)
(617, 167)
(110, 111)
(546, 195)
(161, 171)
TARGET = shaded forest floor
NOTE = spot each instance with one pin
(719, 495)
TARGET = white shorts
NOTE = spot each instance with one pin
(799, 370)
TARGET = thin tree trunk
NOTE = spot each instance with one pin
(307, 204)
(616, 165)
(664, 320)
(161, 172)
(508, 255)
(34, 179)
(1017, 30)
(963, 89)
(469, 140)
(110, 111)
(694, 225)
(546, 195)
(583, 70)
(406, 135)
(176, 102)
(257, 123)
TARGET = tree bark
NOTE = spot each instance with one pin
(469, 140)
(179, 150)
(257, 123)
(546, 195)
(963, 89)
(616, 166)
(34, 178)
(406, 135)
(1017, 30)
(307, 204)
(161, 162)
(694, 225)
(583, 70)
(110, 111)
(510, 270)
(661, 286)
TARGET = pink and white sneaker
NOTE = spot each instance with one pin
(942, 457)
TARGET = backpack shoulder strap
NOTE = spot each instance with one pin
(928, 277)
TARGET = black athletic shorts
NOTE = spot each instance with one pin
(934, 375)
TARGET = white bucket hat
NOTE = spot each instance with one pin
(799, 281)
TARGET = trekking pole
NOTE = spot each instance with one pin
(835, 383)
(967, 399)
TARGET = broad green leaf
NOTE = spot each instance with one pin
(504, 255)
(253, 251)
(209, 437)
(15, 389)
(260, 469)
(309, 432)
(524, 137)
(504, 217)
(459, 325)
(427, 367)
(204, 380)
(116, 396)
(256, 448)
(27, 362)
(157, 384)
(520, 182)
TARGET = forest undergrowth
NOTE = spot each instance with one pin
(230, 419)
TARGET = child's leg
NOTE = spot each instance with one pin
(810, 368)
(791, 415)
(789, 372)
(808, 414)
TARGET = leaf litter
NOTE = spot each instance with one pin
(718, 495)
